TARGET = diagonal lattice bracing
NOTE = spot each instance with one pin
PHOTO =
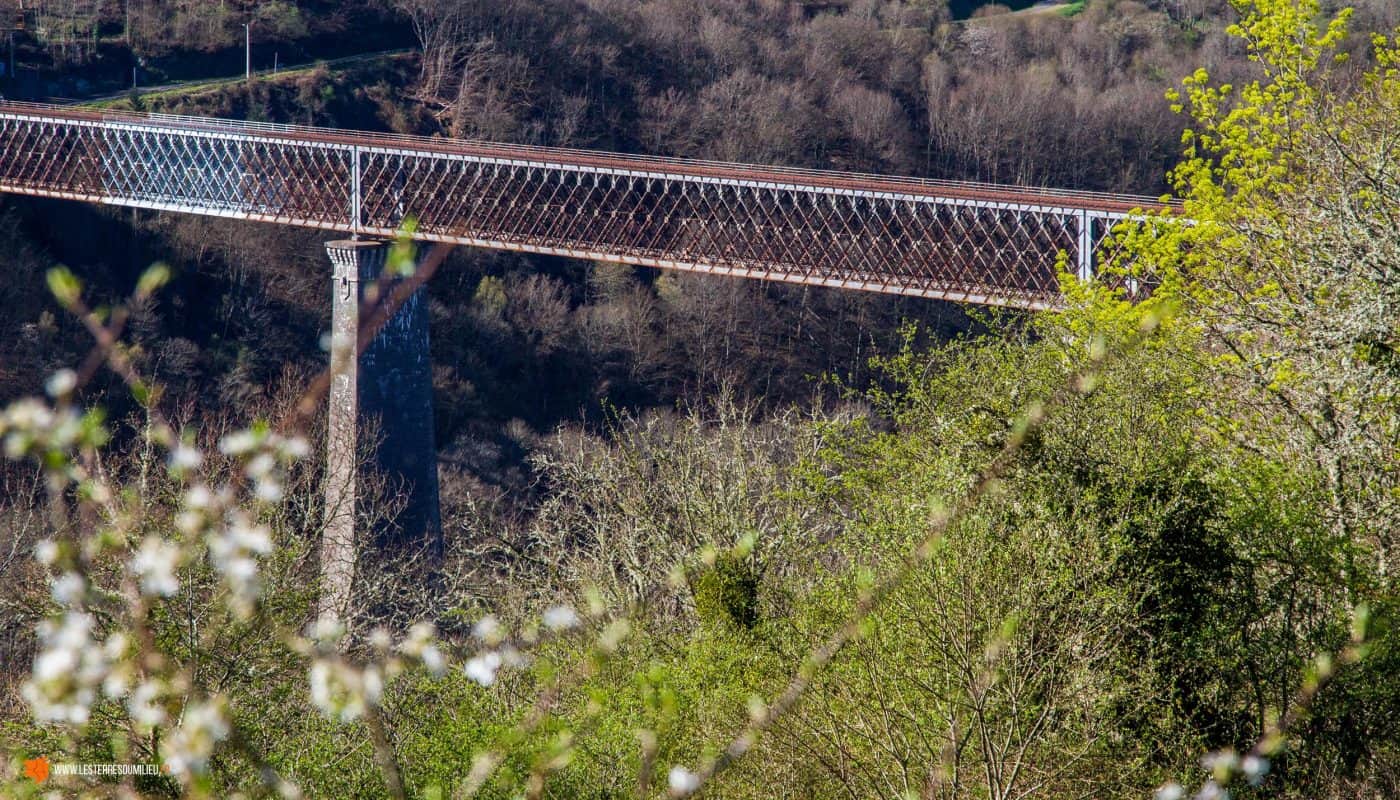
(967, 242)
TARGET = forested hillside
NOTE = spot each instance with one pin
(719, 536)
(1070, 101)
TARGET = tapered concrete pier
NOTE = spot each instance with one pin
(380, 448)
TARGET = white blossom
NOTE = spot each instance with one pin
(184, 457)
(28, 414)
(188, 748)
(295, 448)
(142, 707)
(560, 618)
(268, 491)
(238, 444)
(326, 630)
(419, 636)
(31, 425)
(189, 522)
(483, 668)
(513, 658)
(234, 548)
(682, 781)
(320, 680)
(115, 646)
(342, 691)
(487, 629)
(52, 665)
(199, 498)
(261, 466)
(154, 564)
(1224, 761)
(25, 421)
(99, 492)
(68, 669)
(420, 645)
(372, 684)
(1254, 769)
(434, 661)
(242, 533)
(67, 589)
(118, 669)
(46, 551)
(1170, 791)
(61, 383)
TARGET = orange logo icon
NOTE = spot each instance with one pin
(37, 768)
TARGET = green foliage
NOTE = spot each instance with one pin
(65, 286)
(726, 593)
(490, 298)
(281, 20)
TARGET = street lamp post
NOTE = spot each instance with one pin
(248, 51)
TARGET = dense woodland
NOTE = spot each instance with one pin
(1091, 554)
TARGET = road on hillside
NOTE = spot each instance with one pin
(257, 74)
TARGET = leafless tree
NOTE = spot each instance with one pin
(439, 26)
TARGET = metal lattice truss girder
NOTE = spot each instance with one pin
(972, 243)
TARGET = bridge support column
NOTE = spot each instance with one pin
(380, 427)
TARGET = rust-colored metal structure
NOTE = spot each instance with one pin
(966, 242)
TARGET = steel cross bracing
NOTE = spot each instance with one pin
(965, 242)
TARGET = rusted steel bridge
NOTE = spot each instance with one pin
(965, 242)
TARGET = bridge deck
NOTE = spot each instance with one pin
(968, 242)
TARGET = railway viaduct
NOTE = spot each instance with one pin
(963, 242)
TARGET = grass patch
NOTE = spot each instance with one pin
(193, 90)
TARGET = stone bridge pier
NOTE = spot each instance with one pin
(380, 448)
